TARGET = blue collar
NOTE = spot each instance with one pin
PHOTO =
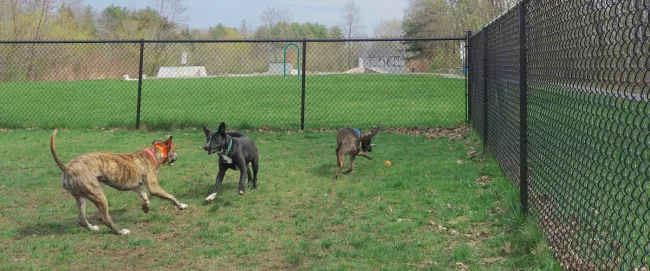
(358, 133)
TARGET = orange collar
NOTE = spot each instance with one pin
(150, 153)
(163, 150)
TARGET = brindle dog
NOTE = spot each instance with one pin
(125, 172)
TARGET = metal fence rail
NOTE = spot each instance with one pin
(289, 83)
(568, 87)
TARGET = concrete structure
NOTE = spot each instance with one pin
(176, 72)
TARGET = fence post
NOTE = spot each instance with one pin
(523, 111)
(485, 88)
(137, 117)
(468, 78)
(304, 75)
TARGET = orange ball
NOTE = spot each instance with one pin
(387, 163)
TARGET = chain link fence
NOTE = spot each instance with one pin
(287, 84)
(560, 90)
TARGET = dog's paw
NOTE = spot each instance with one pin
(182, 206)
(124, 232)
(210, 198)
(145, 208)
(241, 192)
(93, 228)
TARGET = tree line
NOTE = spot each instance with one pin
(163, 19)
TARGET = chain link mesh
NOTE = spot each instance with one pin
(476, 81)
(503, 92)
(49, 85)
(245, 83)
(588, 123)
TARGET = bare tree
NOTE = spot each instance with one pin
(173, 10)
(351, 14)
(275, 14)
(243, 28)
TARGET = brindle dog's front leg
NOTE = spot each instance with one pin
(151, 182)
(241, 165)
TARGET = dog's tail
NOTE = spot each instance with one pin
(54, 154)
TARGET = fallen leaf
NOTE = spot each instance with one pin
(471, 154)
(457, 220)
(442, 228)
(462, 266)
(507, 248)
(432, 223)
(402, 220)
(426, 263)
(390, 210)
(453, 233)
(460, 162)
(450, 206)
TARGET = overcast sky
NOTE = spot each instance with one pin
(205, 13)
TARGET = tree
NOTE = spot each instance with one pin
(87, 21)
(351, 14)
(335, 32)
(243, 28)
(110, 19)
(218, 31)
(389, 29)
(273, 15)
(171, 12)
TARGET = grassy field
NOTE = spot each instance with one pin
(425, 212)
(330, 101)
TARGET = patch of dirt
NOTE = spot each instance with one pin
(483, 180)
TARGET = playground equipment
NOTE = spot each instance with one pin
(285, 58)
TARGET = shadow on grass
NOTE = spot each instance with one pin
(324, 169)
(69, 226)
(201, 191)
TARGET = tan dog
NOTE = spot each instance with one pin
(125, 172)
(351, 141)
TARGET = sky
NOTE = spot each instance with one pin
(202, 14)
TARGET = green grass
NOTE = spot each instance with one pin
(330, 101)
(375, 218)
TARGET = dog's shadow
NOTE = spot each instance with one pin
(200, 192)
(69, 226)
(323, 170)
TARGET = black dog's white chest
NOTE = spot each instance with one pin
(226, 159)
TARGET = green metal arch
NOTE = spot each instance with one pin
(285, 58)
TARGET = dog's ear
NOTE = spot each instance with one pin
(206, 131)
(375, 131)
(222, 128)
(168, 142)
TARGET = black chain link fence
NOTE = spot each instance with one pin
(583, 89)
(287, 84)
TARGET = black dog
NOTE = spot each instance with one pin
(236, 151)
